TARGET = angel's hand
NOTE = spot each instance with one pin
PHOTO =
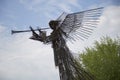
(33, 32)
(35, 36)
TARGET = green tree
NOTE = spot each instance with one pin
(103, 60)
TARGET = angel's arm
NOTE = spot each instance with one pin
(40, 37)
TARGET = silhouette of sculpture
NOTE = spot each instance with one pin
(69, 27)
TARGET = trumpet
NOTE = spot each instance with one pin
(15, 31)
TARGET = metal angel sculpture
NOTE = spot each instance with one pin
(68, 27)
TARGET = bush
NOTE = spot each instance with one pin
(103, 60)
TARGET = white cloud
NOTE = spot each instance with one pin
(50, 7)
(74, 3)
(109, 26)
(110, 21)
(2, 28)
(24, 59)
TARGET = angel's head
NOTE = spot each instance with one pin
(53, 24)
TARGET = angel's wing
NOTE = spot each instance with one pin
(80, 25)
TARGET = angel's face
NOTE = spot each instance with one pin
(53, 24)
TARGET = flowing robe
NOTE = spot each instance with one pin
(62, 54)
(69, 69)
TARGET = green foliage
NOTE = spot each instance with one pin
(103, 60)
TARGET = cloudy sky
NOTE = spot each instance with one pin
(24, 59)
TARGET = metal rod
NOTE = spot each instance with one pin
(15, 31)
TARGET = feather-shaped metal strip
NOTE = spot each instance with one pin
(83, 22)
(80, 24)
